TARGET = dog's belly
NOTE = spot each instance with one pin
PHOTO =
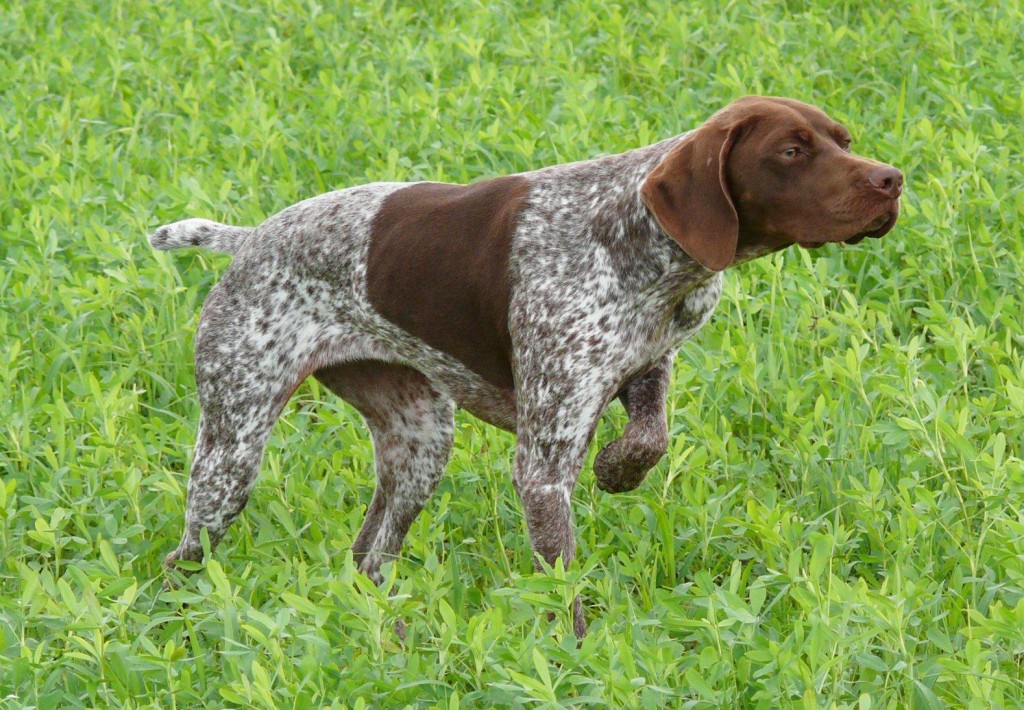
(484, 400)
(492, 405)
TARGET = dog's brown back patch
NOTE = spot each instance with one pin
(438, 267)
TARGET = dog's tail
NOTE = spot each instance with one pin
(200, 233)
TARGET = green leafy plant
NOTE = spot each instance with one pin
(838, 523)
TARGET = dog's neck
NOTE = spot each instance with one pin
(628, 229)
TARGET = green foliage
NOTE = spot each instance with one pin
(838, 523)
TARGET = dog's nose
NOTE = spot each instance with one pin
(887, 180)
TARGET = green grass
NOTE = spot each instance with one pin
(839, 520)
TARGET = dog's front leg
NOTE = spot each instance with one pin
(623, 464)
(555, 425)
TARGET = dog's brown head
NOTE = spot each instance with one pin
(764, 173)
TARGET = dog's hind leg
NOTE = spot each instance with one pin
(411, 425)
(250, 357)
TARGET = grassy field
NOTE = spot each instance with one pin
(838, 522)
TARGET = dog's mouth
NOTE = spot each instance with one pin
(875, 229)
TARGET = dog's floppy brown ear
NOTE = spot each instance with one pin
(689, 195)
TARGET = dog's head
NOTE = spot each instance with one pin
(764, 173)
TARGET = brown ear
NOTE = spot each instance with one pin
(688, 195)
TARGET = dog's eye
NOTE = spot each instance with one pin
(846, 144)
(790, 152)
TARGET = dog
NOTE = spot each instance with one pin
(530, 300)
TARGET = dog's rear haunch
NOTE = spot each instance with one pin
(530, 300)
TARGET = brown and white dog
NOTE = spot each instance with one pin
(530, 300)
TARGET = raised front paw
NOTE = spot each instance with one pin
(623, 464)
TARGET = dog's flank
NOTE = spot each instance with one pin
(202, 233)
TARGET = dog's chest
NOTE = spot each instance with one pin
(695, 309)
(613, 336)
(685, 317)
